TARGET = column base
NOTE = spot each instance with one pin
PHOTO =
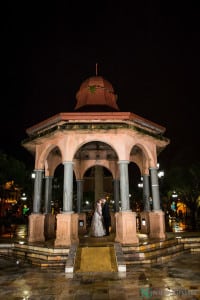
(113, 223)
(49, 226)
(157, 224)
(82, 223)
(36, 228)
(67, 229)
(145, 227)
(126, 228)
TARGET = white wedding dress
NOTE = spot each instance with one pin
(97, 228)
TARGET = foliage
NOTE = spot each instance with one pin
(14, 170)
(185, 180)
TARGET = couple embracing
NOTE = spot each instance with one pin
(101, 220)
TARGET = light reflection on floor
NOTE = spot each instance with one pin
(178, 226)
(177, 279)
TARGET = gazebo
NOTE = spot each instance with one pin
(96, 134)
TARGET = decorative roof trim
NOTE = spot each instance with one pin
(62, 118)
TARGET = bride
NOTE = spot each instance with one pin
(97, 228)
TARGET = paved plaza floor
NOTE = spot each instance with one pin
(177, 279)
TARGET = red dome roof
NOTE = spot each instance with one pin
(96, 91)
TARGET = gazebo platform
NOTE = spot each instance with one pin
(45, 254)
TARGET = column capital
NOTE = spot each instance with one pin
(68, 162)
(153, 168)
(123, 162)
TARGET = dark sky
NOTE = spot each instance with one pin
(149, 51)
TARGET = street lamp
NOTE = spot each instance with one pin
(140, 184)
(23, 197)
(161, 174)
(174, 194)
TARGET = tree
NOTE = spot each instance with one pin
(184, 179)
(13, 170)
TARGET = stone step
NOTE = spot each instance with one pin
(155, 260)
(146, 245)
(150, 256)
(154, 252)
(41, 256)
(147, 252)
(191, 243)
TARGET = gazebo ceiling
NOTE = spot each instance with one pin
(96, 150)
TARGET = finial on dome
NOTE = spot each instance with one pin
(96, 69)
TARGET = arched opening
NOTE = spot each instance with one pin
(106, 186)
(57, 189)
(135, 191)
(95, 168)
(98, 183)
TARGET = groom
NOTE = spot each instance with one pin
(106, 215)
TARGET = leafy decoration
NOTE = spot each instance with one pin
(92, 89)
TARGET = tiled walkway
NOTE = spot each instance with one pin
(178, 279)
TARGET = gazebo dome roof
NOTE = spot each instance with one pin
(96, 93)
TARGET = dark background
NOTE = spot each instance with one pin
(149, 51)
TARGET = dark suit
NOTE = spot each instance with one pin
(106, 217)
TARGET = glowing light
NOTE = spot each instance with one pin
(160, 174)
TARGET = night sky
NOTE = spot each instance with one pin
(149, 52)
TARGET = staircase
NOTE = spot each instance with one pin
(159, 251)
(42, 256)
(146, 252)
